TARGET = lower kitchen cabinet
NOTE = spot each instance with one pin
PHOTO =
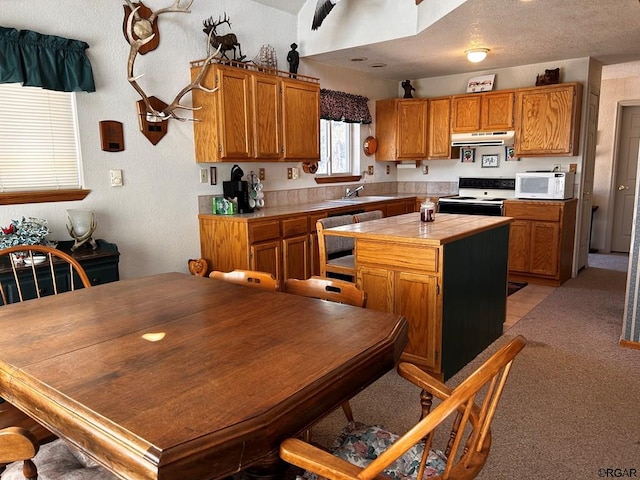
(541, 242)
(101, 266)
(285, 245)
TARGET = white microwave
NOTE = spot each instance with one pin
(545, 185)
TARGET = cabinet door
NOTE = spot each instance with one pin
(412, 129)
(465, 113)
(265, 257)
(545, 242)
(266, 106)
(548, 120)
(439, 127)
(416, 298)
(497, 110)
(378, 283)
(519, 246)
(235, 115)
(295, 255)
(301, 120)
(397, 208)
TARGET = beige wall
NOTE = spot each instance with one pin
(620, 86)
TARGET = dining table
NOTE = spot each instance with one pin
(174, 376)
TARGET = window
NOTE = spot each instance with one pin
(39, 147)
(337, 156)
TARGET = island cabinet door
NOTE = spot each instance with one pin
(416, 298)
(378, 283)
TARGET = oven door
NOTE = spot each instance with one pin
(470, 208)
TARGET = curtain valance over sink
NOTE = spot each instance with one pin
(344, 107)
(46, 61)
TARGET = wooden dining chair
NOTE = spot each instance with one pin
(333, 290)
(38, 271)
(366, 452)
(198, 267)
(248, 278)
(57, 460)
(336, 253)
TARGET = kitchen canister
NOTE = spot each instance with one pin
(428, 211)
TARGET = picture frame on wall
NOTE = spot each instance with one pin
(489, 161)
(482, 83)
(467, 155)
(510, 154)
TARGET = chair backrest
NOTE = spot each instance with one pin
(331, 244)
(198, 267)
(38, 271)
(468, 442)
(18, 444)
(366, 216)
(330, 289)
(249, 278)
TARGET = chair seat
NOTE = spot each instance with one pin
(59, 461)
(346, 261)
(359, 444)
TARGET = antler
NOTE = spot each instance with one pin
(169, 111)
(173, 8)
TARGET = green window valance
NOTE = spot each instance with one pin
(46, 61)
(344, 107)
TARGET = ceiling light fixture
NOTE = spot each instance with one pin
(476, 55)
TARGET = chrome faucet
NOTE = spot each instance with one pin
(353, 193)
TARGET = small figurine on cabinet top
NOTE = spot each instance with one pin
(293, 57)
(408, 88)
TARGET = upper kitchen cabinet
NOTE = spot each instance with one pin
(301, 120)
(482, 112)
(255, 116)
(548, 120)
(439, 127)
(401, 128)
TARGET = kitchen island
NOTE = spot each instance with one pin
(447, 277)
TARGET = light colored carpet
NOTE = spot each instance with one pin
(571, 405)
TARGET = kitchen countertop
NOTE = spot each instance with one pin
(348, 205)
(409, 229)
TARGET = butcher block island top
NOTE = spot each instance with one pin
(409, 229)
(447, 277)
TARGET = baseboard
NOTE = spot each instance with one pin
(630, 344)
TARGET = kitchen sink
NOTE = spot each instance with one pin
(363, 199)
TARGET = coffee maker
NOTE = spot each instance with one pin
(237, 189)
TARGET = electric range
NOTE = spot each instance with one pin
(479, 196)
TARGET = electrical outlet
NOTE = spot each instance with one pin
(370, 170)
(204, 175)
(289, 173)
(295, 173)
(115, 177)
(557, 167)
(573, 167)
(425, 169)
(261, 174)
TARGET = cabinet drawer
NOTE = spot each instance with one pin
(533, 211)
(295, 226)
(259, 232)
(406, 257)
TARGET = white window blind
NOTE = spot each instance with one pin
(39, 147)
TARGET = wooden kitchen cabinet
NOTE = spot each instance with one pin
(483, 112)
(541, 240)
(401, 128)
(285, 245)
(255, 116)
(439, 128)
(548, 120)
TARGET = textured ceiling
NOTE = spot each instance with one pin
(516, 32)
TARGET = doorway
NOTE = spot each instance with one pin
(625, 179)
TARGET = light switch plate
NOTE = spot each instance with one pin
(115, 177)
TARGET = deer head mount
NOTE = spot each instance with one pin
(141, 30)
(224, 43)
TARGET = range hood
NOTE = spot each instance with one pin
(482, 139)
